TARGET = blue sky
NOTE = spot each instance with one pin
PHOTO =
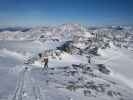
(52, 12)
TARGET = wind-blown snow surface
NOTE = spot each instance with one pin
(8, 61)
(69, 76)
(120, 61)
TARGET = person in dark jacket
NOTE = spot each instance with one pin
(45, 63)
(89, 59)
(40, 55)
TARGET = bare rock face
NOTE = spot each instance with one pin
(102, 68)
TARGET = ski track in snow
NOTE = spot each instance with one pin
(19, 89)
(35, 87)
(27, 85)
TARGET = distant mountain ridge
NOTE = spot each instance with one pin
(12, 29)
(64, 30)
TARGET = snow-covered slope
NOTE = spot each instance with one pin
(92, 63)
(120, 61)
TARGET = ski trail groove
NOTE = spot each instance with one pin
(35, 87)
(20, 84)
(27, 83)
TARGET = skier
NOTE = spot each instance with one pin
(40, 58)
(40, 55)
(45, 59)
(89, 59)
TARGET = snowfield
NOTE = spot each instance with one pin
(120, 61)
(84, 63)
